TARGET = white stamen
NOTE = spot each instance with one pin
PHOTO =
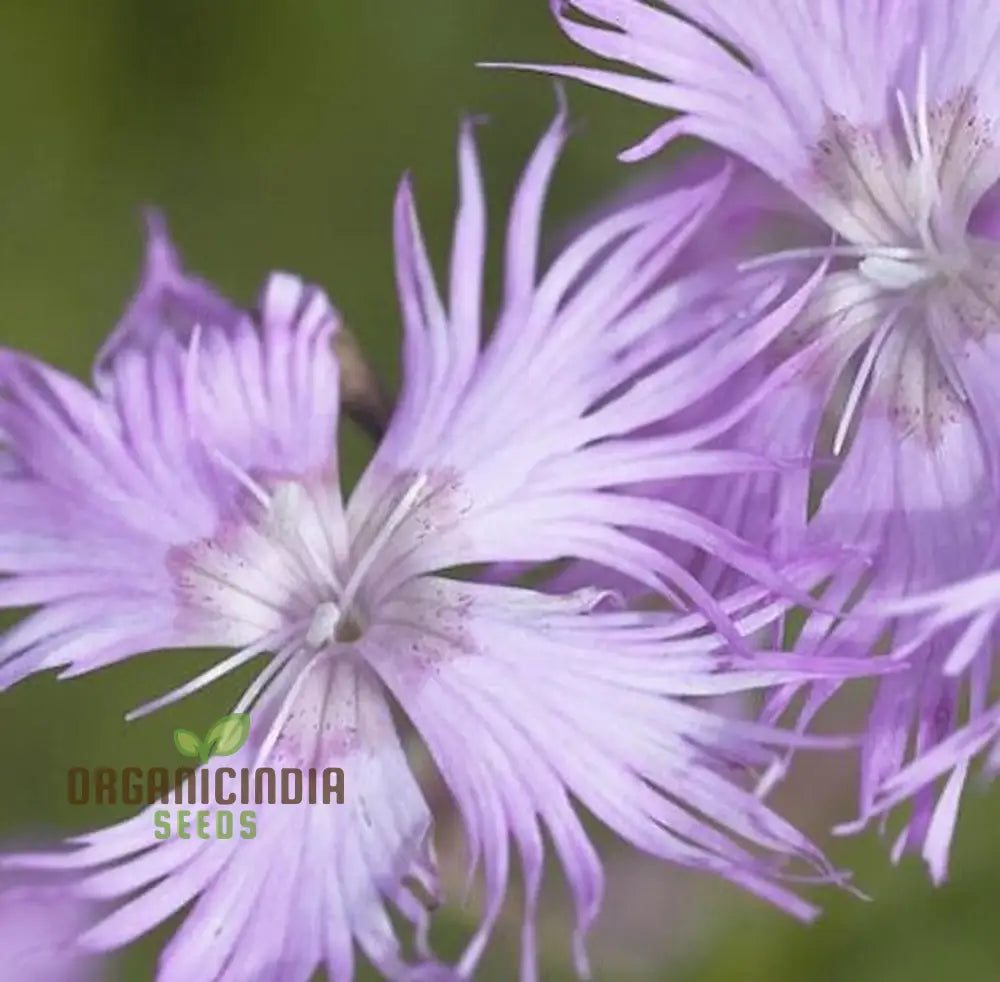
(264, 677)
(393, 522)
(924, 188)
(832, 251)
(854, 397)
(279, 720)
(923, 121)
(907, 121)
(219, 669)
(288, 505)
(242, 476)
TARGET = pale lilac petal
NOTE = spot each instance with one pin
(580, 365)
(783, 73)
(39, 923)
(314, 880)
(168, 300)
(498, 677)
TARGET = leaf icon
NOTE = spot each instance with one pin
(227, 735)
(187, 743)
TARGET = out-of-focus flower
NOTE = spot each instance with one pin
(39, 925)
(878, 121)
(961, 619)
(195, 501)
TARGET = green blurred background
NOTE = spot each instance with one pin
(273, 135)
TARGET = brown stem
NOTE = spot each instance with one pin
(362, 396)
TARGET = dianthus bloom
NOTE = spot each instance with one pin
(876, 121)
(194, 500)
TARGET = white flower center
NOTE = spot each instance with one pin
(280, 577)
(899, 197)
(934, 225)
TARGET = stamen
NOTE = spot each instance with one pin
(279, 720)
(923, 121)
(393, 522)
(219, 669)
(916, 127)
(266, 674)
(288, 504)
(907, 120)
(242, 476)
(311, 558)
(860, 380)
(831, 251)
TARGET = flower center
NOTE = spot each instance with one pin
(899, 197)
(282, 576)
(286, 561)
(329, 623)
(923, 212)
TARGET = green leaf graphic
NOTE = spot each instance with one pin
(227, 735)
(187, 743)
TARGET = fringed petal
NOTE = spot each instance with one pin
(98, 491)
(296, 885)
(527, 701)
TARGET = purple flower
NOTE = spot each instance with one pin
(877, 124)
(194, 500)
(39, 924)
(959, 622)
